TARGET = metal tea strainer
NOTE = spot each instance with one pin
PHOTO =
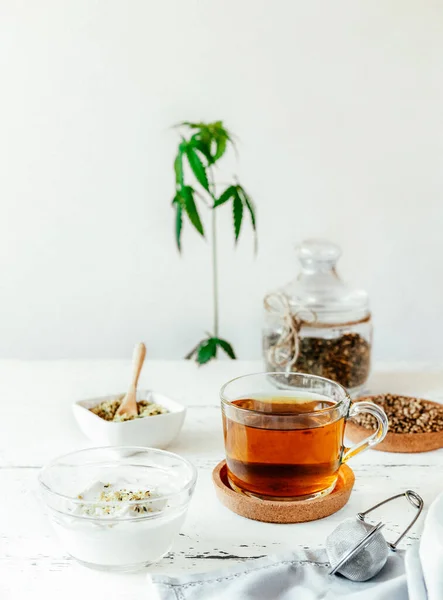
(357, 550)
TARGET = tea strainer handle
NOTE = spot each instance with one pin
(413, 499)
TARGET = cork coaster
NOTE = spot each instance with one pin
(398, 442)
(271, 511)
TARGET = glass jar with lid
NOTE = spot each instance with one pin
(317, 324)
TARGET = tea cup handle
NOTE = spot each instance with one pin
(376, 437)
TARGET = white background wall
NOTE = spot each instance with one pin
(338, 106)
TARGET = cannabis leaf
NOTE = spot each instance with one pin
(197, 166)
(178, 165)
(178, 223)
(237, 212)
(214, 136)
(249, 205)
(186, 198)
(202, 146)
(241, 200)
(221, 141)
(184, 201)
(206, 350)
(227, 195)
(192, 125)
(226, 346)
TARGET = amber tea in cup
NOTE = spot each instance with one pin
(287, 442)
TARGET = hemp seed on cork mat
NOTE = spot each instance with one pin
(415, 425)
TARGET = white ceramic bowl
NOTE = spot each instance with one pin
(157, 431)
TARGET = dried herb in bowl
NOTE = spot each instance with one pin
(107, 410)
(405, 414)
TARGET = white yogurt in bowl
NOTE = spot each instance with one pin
(118, 508)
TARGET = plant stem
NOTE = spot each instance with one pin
(214, 274)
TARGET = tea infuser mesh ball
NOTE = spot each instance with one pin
(370, 557)
(357, 550)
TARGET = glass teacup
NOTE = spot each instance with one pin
(286, 442)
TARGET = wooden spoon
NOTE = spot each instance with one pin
(128, 405)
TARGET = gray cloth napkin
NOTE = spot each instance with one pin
(301, 575)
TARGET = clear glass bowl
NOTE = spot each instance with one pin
(111, 534)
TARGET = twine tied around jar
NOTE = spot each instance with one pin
(284, 353)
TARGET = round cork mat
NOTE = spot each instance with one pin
(398, 442)
(271, 511)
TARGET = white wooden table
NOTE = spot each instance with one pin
(36, 425)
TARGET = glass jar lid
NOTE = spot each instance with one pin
(319, 290)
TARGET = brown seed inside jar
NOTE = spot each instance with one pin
(344, 359)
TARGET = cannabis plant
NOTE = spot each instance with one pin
(201, 147)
